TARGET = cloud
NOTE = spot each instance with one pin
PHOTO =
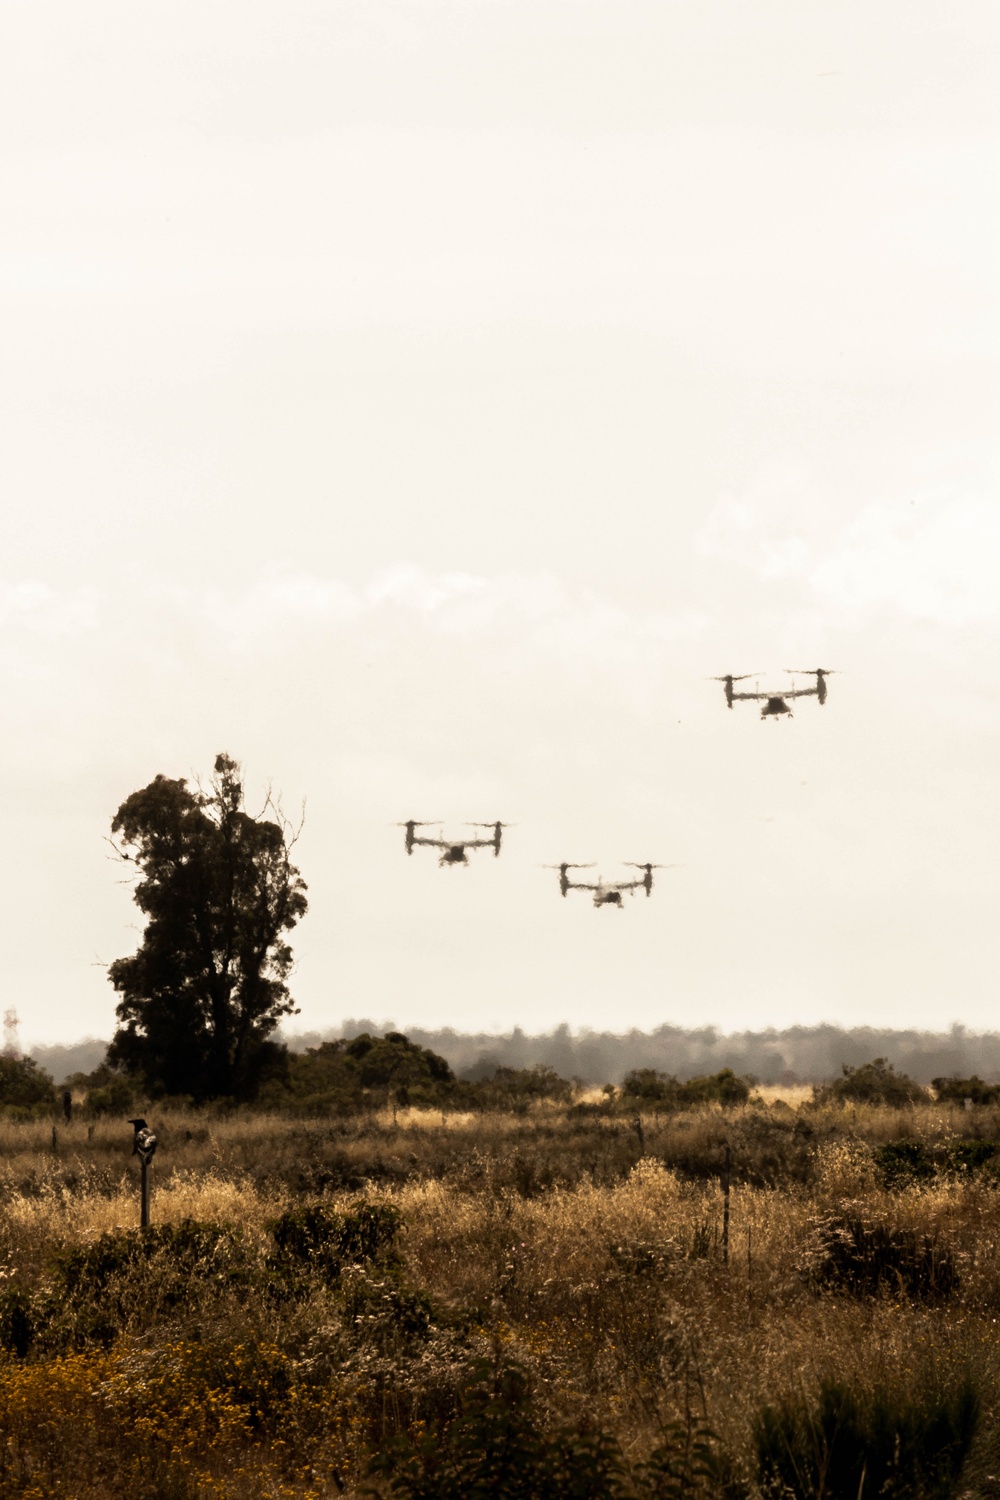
(411, 587)
(524, 613)
(299, 599)
(933, 558)
(768, 528)
(937, 562)
(36, 607)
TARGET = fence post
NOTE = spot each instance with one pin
(143, 1146)
(749, 1274)
(726, 1168)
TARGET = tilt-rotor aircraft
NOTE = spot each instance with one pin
(452, 851)
(777, 704)
(606, 892)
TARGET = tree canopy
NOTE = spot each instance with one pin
(208, 984)
(24, 1085)
(364, 1070)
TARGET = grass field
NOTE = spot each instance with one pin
(530, 1305)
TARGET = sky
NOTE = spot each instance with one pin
(420, 400)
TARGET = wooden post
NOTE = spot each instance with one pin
(637, 1127)
(749, 1274)
(144, 1190)
(727, 1165)
(55, 1141)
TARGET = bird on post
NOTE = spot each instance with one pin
(143, 1142)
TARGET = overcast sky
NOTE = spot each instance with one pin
(420, 399)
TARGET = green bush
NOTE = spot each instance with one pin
(646, 1086)
(852, 1445)
(18, 1320)
(515, 1089)
(24, 1085)
(494, 1448)
(900, 1163)
(347, 1076)
(385, 1316)
(960, 1089)
(690, 1464)
(875, 1082)
(969, 1156)
(116, 1097)
(494, 1445)
(129, 1277)
(868, 1258)
(318, 1238)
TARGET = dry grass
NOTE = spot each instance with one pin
(593, 1260)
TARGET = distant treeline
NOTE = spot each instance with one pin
(797, 1054)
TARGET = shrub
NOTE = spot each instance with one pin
(494, 1446)
(128, 1277)
(345, 1076)
(867, 1258)
(515, 1089)
(648, 1086)
(17, 1320)
(383, 1315)
(661, 1091)
(960, 1089)
(690, 1464)
(875, 1082)
(969, 1156)
(900, 1163)
(717, 1088)
(116, 1097)
(319, 1238)
(849, 1444)
(24, 1085)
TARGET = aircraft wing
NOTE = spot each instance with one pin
(583, 885)
(478, 843)
(798, 693)
(753, 695)
(434, 843)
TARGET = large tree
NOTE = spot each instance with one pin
(207, 986)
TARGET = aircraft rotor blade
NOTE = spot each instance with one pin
(811, 671)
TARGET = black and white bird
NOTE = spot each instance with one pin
(143, 1142)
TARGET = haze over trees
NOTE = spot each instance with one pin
(799, 1054)
(205, 990)
(792, 1054)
